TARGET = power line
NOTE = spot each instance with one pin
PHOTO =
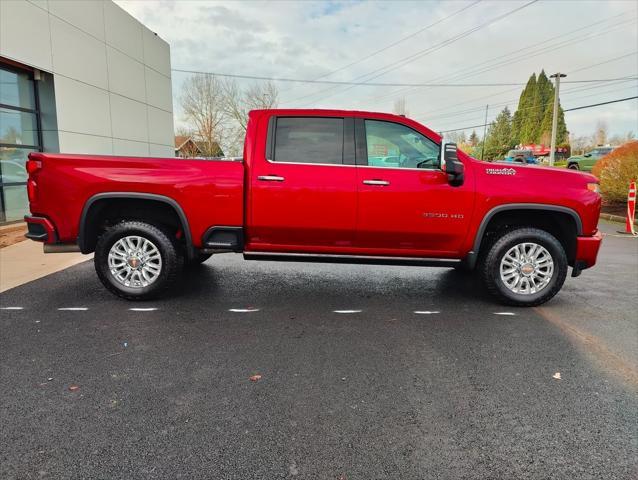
(482, 67)
(564, 110)
(566, 92)
(371, 84)
(393, 44)
(387, 47)
(416, 116)
(410, 58)
(605, 62)
(602, 103)
(475, 70)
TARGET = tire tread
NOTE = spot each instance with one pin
(492, 256)
(172, 263)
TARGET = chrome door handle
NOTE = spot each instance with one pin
(383, 183)
(270, 178)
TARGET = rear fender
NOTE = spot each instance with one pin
(84, 238)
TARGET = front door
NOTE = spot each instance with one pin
(303, 198)
(406, 206)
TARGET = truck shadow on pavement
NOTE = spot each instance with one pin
(294, 282)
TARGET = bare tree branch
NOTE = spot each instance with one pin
(218, 110)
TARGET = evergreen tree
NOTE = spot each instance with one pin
(520, 125)
(546, 126)
(545, 89)
(499, 136)
(473, 140)
(532, 121)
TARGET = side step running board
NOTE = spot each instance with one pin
(226, 239)
(351, 259)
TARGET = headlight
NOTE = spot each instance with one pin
(593, 187)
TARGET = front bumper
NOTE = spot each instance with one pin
(587, 251)
(40, 229)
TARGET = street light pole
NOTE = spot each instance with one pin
(484, 132)
(552, 150)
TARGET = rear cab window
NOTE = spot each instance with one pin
(312, 140)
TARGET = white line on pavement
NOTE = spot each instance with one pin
(346, 311)
(73, 309)
(243, 310)
(145, 309)
(504, 313)
(425, 312)
(11, 308)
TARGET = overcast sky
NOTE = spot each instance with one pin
(468, 44)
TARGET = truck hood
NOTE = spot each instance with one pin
(536, 173)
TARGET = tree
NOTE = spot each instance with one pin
(474, 139)
(521, 128)
(579, 144)
(545, 136)
(499, 136)
(620, 139)
(202, 101)
(543, 100)
(456, 137)
(532, 121)
(601, 133)
(238, 102)
(217, 111)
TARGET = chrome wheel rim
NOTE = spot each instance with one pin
(526, 268)
(135, 262)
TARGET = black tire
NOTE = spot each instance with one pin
(198, 259)
(170, 253)
(573, 166)
(491, 263)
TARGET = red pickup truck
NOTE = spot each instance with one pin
(320, 185)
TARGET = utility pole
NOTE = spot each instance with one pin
(552, 150)
(484, 132)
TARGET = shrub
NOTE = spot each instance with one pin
(615, 170)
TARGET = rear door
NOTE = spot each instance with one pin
(303, 187)
(588, 162)
(406, 206)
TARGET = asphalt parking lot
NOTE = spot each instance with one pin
(366, 372)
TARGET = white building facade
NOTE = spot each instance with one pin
(78, 77)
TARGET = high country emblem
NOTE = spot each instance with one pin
(500, 171)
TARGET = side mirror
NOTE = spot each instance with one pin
(587, 155)
(452, 165)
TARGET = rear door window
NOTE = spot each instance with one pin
(309, 140)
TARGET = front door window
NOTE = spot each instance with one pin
(397, 146)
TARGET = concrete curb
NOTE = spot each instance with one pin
(615, 218)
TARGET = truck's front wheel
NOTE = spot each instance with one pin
(136, 260)
(525, 267)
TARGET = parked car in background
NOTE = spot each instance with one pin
(520, 156)
(587, 161)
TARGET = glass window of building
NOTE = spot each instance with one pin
(20, 134)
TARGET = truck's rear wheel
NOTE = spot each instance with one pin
(136, 260)
(525, 267)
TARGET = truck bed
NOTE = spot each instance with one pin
(209, 192)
